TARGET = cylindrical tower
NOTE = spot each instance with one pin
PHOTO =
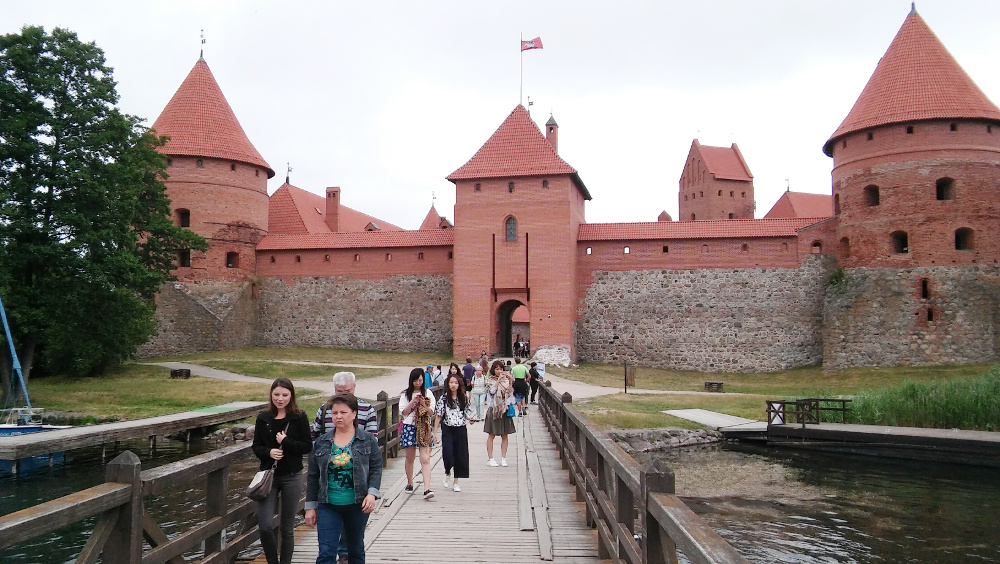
(217, 180)
(916, 176)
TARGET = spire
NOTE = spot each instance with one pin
(916, 79)
(201, 123)
(201, 55)
(913, 8)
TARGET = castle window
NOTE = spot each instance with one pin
(256, 173)
(388, 256)
(845, 247)
(420, 256)
(744, 248)
(930, 314)
(963, 239)
(357, 257)
(720, 192)
(909, 130)
(701, 194)
(704, 248)
(272, 258)
(666, 249)
(298, 258)
(817, 247)
(743, 194)
(479, 187)
(844, 143)
(170, 162)
(184, 217)
(836, 204)
(451, 254)
(784, 247)
(731, 216)
(200, 164)
(692, 217)
(900, 242)
(510, 187)
(232, 167)
(326, 258)
(511, 228)
(184, 258)
(590, 250)
(545, 184)
(925, 288)
(731, 194)
(685, 197)
(232, 260)
(945, 189)
(953, 126)
(625, 250)
(871, 136)
(871, 195)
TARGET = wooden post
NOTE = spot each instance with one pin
(124, 545)
(217, 502)
(394, 427)
(657, 547)
(383, 425)
(566, 398)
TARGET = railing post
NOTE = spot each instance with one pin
(657, 547)
(124, 545)
(383, 425)
(216, 503)
(563, 445)
(393, 426)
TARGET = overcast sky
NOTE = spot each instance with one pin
(385, 99)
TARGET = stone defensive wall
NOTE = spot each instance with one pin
(919, 316)
(712, 319)
(203, 316)
(403, 312)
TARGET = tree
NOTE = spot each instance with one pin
(85, 234)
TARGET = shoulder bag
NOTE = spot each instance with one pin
(260, 486)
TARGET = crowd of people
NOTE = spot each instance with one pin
(344, 463)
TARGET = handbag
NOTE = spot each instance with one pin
(511, 412)
(260, 486)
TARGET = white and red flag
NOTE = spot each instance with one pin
(529, 44)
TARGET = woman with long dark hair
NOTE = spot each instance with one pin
(450, 419)
(280, 440)
(499, 404)
(416, 405)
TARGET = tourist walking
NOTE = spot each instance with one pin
(343, 481)
(534, 379)
(451, 420)
(499, 412)
(520, 373)
(479, 392)
(280, 440)
(468, 371)
(416, 404)
(344, 383)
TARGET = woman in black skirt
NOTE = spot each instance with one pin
(451, 420)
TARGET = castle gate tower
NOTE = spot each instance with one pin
(217, 180)
(518, 207)
(716, 184)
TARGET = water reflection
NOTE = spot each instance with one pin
(783, 505)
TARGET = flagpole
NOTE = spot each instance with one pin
(520, 91)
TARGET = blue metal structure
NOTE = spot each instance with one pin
(18, 379)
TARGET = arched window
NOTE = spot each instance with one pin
(871, 195)
(184, 217)
(511, 227)
(625, 250)
(817, 247)
(925, 288)
(845, 247)
(964, 239)
(900, 242)
(692, 217)
(945, 189)
(720, 192)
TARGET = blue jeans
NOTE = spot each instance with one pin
(332, 521)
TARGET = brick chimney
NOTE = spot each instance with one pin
(333, 208)
(552, 133)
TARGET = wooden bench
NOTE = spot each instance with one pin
(713, 386)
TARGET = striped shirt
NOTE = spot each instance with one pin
(366, 418)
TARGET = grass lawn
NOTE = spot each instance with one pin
(345, 357)
(271, 370)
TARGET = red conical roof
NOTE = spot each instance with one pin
(517, 148)
(432, 221)
(200, 122)
(916, 79)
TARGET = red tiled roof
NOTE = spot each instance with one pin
(294, 211)
(725, 163)
(801, 204)
(358, 240)
(916, 79)
(200, 122)
(517, 148)
(708, 229)
(432, 221)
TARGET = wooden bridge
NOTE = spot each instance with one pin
(569, 494)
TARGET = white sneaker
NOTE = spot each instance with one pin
(447, 481)
(457, 489)
(503, 462)
(493, 462)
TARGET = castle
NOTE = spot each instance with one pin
(899, 266)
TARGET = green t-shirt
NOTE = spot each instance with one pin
(519, 371)
(340, 476)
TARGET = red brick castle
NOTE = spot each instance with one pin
(899, 266)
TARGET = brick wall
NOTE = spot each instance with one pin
(711, 319)
(397, 313)
(199, 317)
(879, 317)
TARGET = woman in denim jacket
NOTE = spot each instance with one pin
(342, 484)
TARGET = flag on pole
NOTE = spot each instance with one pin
(535, 43)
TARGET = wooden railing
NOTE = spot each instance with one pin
(803, 411)
(637, 516)
(123, 522)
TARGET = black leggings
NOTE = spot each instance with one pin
(455, 450)
(534, 388)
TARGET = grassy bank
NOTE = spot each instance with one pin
(970, 403)
(345, 357)
(271, 370)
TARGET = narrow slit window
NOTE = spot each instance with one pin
(511, 229)
(925, 289)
